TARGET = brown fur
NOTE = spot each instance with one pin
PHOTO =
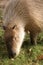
(27, 15)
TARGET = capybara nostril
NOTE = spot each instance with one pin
(12, 55)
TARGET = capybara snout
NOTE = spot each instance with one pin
(8, 35)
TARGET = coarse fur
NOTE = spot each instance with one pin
(19, 17)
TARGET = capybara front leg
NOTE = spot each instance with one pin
(33, 38)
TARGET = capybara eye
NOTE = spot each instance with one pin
(13, 26)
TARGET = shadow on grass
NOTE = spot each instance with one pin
(26, 44)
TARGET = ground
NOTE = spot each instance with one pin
(29, 54)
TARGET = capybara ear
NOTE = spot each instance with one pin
(13, 26)
(4, 27)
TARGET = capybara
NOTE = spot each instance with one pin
(20, 16)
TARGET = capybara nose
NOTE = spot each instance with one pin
(12, 55)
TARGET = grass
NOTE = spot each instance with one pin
(28, 54)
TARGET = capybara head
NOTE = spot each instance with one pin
(12, 41)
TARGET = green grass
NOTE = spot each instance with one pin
(26, 57)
